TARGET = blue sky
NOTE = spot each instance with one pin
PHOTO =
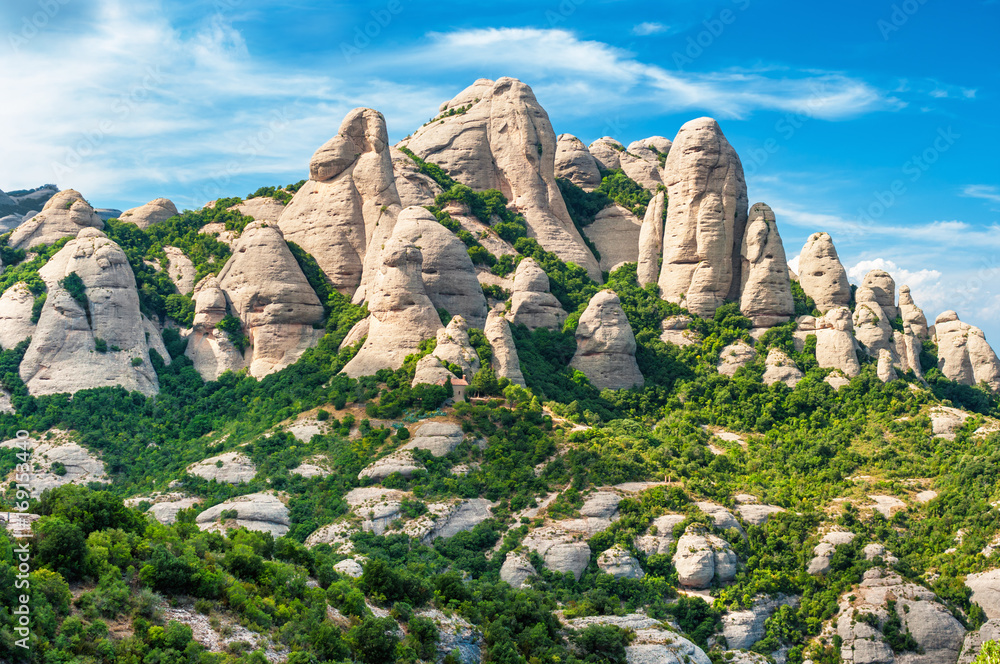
(874, 121)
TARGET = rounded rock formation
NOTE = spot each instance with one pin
(706, 219)
(821, 275)
(64, 215)
(702, 558)
(532, 305)
(153, 212)
(575, 163)
(210, 349)
(781, 369)
(505, 361)
(964, 356)
(766, 289)
(620, 563)
(605, 345)
(607, 152)
(836, 347)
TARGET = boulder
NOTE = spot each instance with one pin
(532, 305)
(605, 345)
(883, 289)
(210, 349)
(438, 438)
(607, 153)
(430, 370)
(349, 203)
(964, 356)
(872, 327)
(765, 291)
(575, 163)
(505, 361)
(563, 545)
(349, 567)
(81, 465)
(620, 563)
(401, 461)
(164, 509)
(779, 368)
(820, 564)
(516, 570)
(658, 541)
(448, 273)
(64, 215)
(706, 219)
(735, 356)
(651, 240)
(912, 315)
(180, 269)
(153, 212)
(675, 331)
(837, 380)
(414, 187)
(974, 641)
(272, 297)
(702, 558)
(465, 516)
(261, 208)
(16, 305)
(641, 165)
(94, 337)
(229, 468)
(836, 347)
(263, 512)
(504, 140)
(402, 316)
(821, 275)
(615, 232)
(757, 515)
(721, 517)
(658, 145)
(874, 550)
(601, 505)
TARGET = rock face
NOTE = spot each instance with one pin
(820, 564)
(658, 542)
(605, 345)
(66, 353)
(350, 202)
(448, 273)
(263, 512)
(872, 326)
(505, 362)
(228, 468)
(180, 269)
(210, 349)
(912, 315)
(821, 275)
(883, 289)
(835, 344)
(414, 187)
(615, 232)
(153, 212)
(607, 152)
(575, 163)
(986, 592)
(744, 628)
(735, 356)
(963, 353)
(781, 369)
(706, 219)
(651, 240)
(766, 290)
(702, 558)
(453, 346)
(516, 570)
(938, 635)
(271, 296)
(401, 313)
(261, 208)
(619, 563)
(504, 141)
(81, 465)
(16, 304)
(64, 215)
(532, 305)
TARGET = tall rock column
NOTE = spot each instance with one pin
(651, 240)
(766, 291)
(503, 140)
(90, 332)
(706, 219)
(821, 275)
(605, 345)
(402, 315)
(349, 204)
(505, 360)
(270, 294)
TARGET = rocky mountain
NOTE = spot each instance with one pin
(487, 395)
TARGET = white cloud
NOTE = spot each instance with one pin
(984, 191)
(793, 264)
(605, 76)
(648, 28)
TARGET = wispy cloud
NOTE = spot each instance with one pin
(603, 75)
(985, 191)
(648, 28)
